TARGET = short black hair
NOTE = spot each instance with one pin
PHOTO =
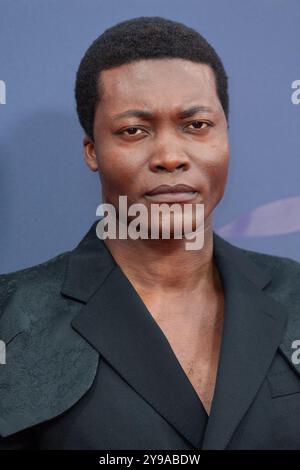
(145, 37)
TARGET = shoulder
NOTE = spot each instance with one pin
(24, 293)
(46, 269)
(280, 266)
(279, 275)
(29, 272)
(283, 270)
(284, 274)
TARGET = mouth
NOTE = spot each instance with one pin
(167, 193)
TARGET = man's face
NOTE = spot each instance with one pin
(134, 154)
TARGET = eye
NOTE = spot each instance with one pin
(199, 124)
(130, 130)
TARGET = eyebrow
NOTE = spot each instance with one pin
(148, 115)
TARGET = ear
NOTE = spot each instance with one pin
(90, 153)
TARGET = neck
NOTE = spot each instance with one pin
(165, 266)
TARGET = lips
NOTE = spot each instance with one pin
(175, 193)
(166, 188)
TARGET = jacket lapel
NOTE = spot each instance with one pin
(254, 326)
(117, 323)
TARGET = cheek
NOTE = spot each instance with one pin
(221, 169)
(118, 173)
(217, 173)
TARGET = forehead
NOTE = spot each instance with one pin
(160, 83)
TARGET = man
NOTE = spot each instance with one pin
(140, 343)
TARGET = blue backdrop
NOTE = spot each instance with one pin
(48, 196)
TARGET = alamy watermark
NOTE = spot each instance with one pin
(2, 92)
(296, 353)
(163, 219)
(2, 352)
(295, 97)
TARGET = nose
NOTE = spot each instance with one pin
(169, 158)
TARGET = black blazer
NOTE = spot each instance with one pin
(87, 366)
